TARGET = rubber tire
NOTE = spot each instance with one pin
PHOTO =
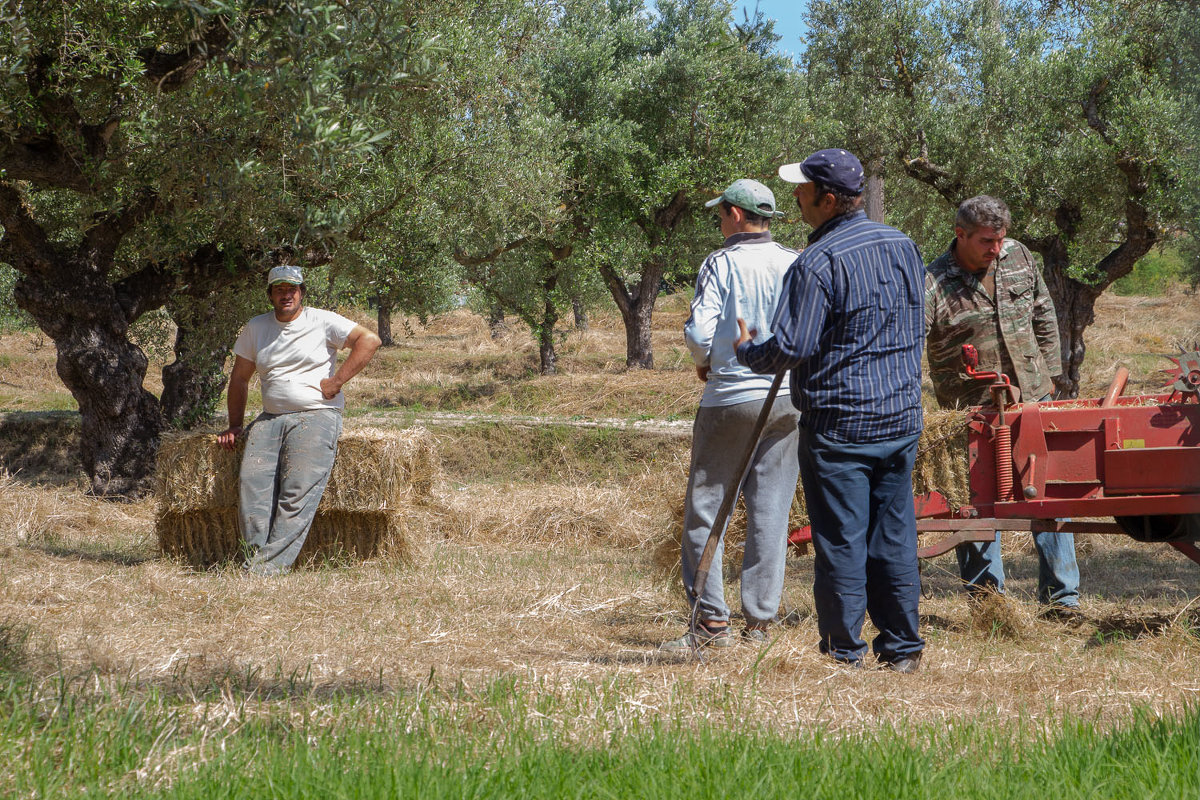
(1161, 527)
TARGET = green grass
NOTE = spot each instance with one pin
(488, 452)
(1153, 274)
(239, 736)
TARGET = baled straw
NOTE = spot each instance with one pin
(378, 476)
(375, 469)
(941, 465)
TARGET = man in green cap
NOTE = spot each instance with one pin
(741, 279)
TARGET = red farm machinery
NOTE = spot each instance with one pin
(1034, 466)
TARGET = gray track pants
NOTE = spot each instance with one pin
(719, 439)
(285, 468)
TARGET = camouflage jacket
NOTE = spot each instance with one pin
(1016, 334)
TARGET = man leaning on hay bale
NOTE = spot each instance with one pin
(290, 447)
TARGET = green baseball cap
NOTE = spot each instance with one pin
(749, 195)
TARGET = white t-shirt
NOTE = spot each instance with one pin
(293, 357)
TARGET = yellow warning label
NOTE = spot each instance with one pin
(1130, 444)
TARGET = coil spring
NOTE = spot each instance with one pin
(1004, 468)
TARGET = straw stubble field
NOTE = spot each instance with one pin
(533, 563)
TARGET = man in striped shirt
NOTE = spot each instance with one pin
(850, 326)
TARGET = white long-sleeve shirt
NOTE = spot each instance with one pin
(742, 279)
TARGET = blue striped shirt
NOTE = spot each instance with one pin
(851, 327)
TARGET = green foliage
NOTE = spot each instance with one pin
(11, 316)
(1067, 111)
(662, 108)
(1154, 274)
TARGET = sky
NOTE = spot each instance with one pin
(788, 20)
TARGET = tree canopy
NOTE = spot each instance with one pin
(158, 151)
(1070, 112)
(163, 153)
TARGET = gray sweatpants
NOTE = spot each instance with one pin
(285, 468)
(719, 438)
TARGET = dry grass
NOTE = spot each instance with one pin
(546, 576)
(535, 593)
(1138, 332)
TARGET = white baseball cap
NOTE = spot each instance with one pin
(285, 274)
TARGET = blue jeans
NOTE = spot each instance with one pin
(981, 567)
(860, 503)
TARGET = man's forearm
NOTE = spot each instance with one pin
(236, 403)
(766, 358)
(360, 354)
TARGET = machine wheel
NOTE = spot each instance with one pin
(1162, 528)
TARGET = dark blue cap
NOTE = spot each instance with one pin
(835, 168)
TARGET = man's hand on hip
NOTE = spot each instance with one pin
(702, 372)
(330, 387)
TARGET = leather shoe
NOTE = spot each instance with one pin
(905, 664)
(1072, 615)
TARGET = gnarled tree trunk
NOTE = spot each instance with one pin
(548, 359)
(581, 317)
(120, 421)
(636, 305)
(204, 335)
(383, 319)
(873, 200)
(636, 301)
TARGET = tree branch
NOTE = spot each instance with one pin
(100, 242)
(24, 244)
(1141, 234)
(617, 288)
(475, 261)
(940, 178)
(668, 216)
(1091, 109)
(171, 71)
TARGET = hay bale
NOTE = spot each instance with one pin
(195, 473)
(941, 465)
(378, 469)
(206, 538)
(201, 538)
(378, 477)
(942, 457)
(375, 469)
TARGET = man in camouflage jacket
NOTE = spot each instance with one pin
(987, 291)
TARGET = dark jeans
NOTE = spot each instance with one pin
(860, 504)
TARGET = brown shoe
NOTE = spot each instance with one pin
(905, 664)
(1071, 615)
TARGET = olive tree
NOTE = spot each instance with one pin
(1071, 112)
(156, 151)
(664, 106)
